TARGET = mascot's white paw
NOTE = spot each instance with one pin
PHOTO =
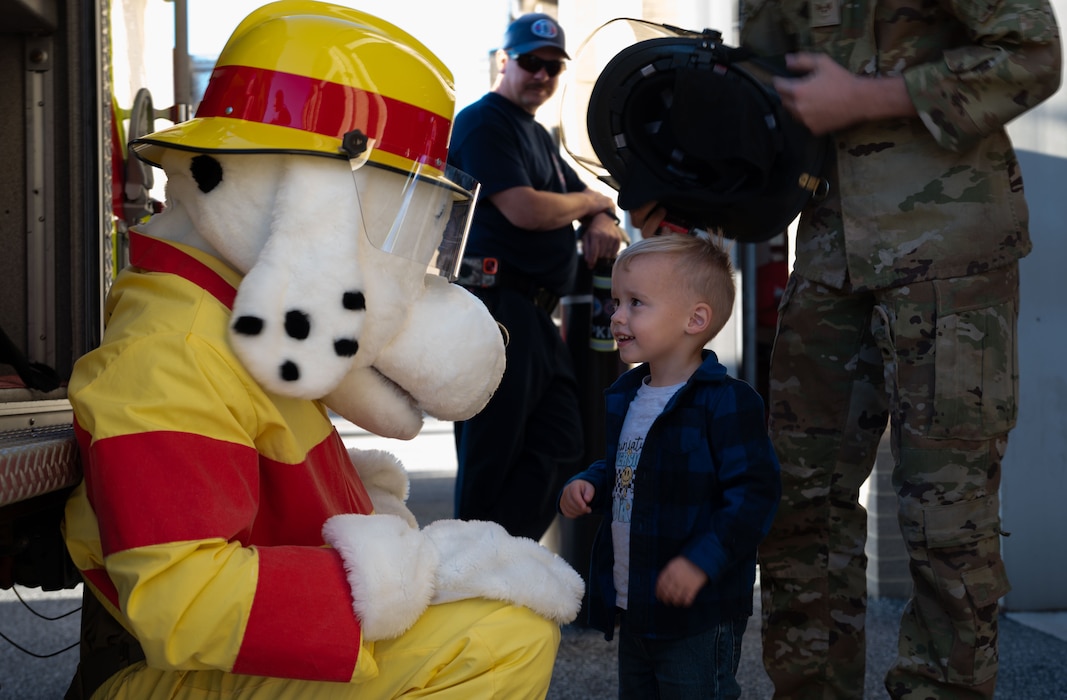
(391, 570)
(386, 482)
(396, 571)
(481, 560)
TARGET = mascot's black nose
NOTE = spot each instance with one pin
(289, 371)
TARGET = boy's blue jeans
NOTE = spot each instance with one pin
(699, 666)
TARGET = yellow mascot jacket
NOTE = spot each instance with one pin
(199, 520)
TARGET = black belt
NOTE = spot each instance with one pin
(544, 299)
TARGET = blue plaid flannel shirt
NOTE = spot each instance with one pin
(707, 487)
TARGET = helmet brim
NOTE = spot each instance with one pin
(223, 135)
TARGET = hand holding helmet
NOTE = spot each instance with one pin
(678, 118)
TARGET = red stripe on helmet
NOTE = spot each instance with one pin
(326, 108)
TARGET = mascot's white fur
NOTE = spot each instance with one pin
(296, 229)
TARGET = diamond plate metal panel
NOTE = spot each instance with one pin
(37, 461)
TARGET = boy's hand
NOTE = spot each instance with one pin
(576, 498)
(679, 582)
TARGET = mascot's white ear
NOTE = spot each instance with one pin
(291, 224)
(300, 309)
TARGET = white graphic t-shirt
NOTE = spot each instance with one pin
(643, 410)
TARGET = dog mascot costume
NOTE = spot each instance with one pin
(231, 545)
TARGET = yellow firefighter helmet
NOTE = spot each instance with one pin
(310, 78)
(298, 76)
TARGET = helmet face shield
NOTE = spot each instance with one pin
(423, 215)
(590, 60)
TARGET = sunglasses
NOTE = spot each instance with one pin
(533, 64)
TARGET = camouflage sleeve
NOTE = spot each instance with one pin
(764, 29)
(1012, 64)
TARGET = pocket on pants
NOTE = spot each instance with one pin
(976, 363)
(973, 657)
(970, 579)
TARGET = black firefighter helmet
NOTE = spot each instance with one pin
(684, 120)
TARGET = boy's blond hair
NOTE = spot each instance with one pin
(703, 267)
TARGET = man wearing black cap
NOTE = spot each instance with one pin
(517, 453)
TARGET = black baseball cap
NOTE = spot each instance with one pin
(533, 31)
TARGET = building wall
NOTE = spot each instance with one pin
(1035, 468)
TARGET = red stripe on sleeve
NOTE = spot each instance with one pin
(301, 497)
(302, 624)
(159, 487)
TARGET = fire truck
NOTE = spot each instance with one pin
(69, 194)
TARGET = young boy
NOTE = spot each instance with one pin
(690, 480)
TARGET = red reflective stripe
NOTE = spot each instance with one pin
(300, 497)
(159, 256)
(301, 624)
(163, 486)
(160, 487)
(330, 109)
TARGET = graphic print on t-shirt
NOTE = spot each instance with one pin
(622, 497)
(641, 414)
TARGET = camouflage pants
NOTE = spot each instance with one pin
(937, 362)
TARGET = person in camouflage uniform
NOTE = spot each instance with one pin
(901, 310)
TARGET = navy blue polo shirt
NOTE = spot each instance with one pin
(503, 146)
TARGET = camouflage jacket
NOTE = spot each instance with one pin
(935, 197)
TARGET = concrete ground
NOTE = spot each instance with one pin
(1033, 646)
